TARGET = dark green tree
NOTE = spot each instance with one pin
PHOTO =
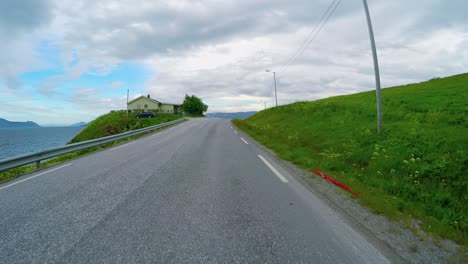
(193, 105)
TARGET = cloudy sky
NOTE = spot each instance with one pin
(67, 61)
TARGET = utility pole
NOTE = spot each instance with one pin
(127, 101)
(276, 95)
(265, 104)
(376, 68)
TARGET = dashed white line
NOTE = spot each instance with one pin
(9, 185)
(245, 141)
(235, 132)
(281, 177)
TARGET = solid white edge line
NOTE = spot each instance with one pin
(42, 173)
(281, 177)
(245, 141)
(123, 145)
(235, 132)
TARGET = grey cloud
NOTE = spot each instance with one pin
(201, 22)
(337, 62)
(23, 15)
(445, 13)
(16, 56)
(18, 19)
(176, 38)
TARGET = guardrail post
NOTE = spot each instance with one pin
(38, 164)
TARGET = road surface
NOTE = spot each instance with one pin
(198, 192)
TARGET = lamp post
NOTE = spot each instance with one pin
(376, 67)
(274, 79)
(127, 100)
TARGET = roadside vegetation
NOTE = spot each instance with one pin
(118, 122)
(417, 168)
(105, 125)
(193, 106)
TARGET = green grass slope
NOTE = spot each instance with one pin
(118, 122)
(416, 168)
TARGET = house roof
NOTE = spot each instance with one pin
(152, 100)
(142, 97)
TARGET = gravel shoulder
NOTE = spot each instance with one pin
(411, 245)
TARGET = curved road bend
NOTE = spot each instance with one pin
(195, 193)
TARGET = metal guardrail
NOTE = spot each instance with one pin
(17, 161)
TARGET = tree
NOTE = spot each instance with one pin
(193, 105)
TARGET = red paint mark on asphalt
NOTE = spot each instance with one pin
(337, 183)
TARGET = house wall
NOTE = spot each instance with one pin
(167, 108)
(140, 103)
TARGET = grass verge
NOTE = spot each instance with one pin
(415, 169)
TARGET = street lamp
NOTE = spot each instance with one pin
(274, 79)
(376, 67)
(128, 90)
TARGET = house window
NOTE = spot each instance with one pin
(146, 106)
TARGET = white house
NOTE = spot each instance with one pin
(143, 104)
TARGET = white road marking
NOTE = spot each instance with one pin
(235, 132)
(245, 141)
(281, 177)
(123, 145)
(42, 173)
(231, 127)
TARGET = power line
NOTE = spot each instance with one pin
(310, 34)
(320, 29)
(293, 59)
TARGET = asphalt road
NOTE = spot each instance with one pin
(194, 193)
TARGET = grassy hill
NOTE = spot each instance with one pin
(416, 168)
(118, 122)
(105, 125)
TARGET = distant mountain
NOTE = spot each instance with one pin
(54, 125)
(238, 115)
(5, 123)
(79, 124)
